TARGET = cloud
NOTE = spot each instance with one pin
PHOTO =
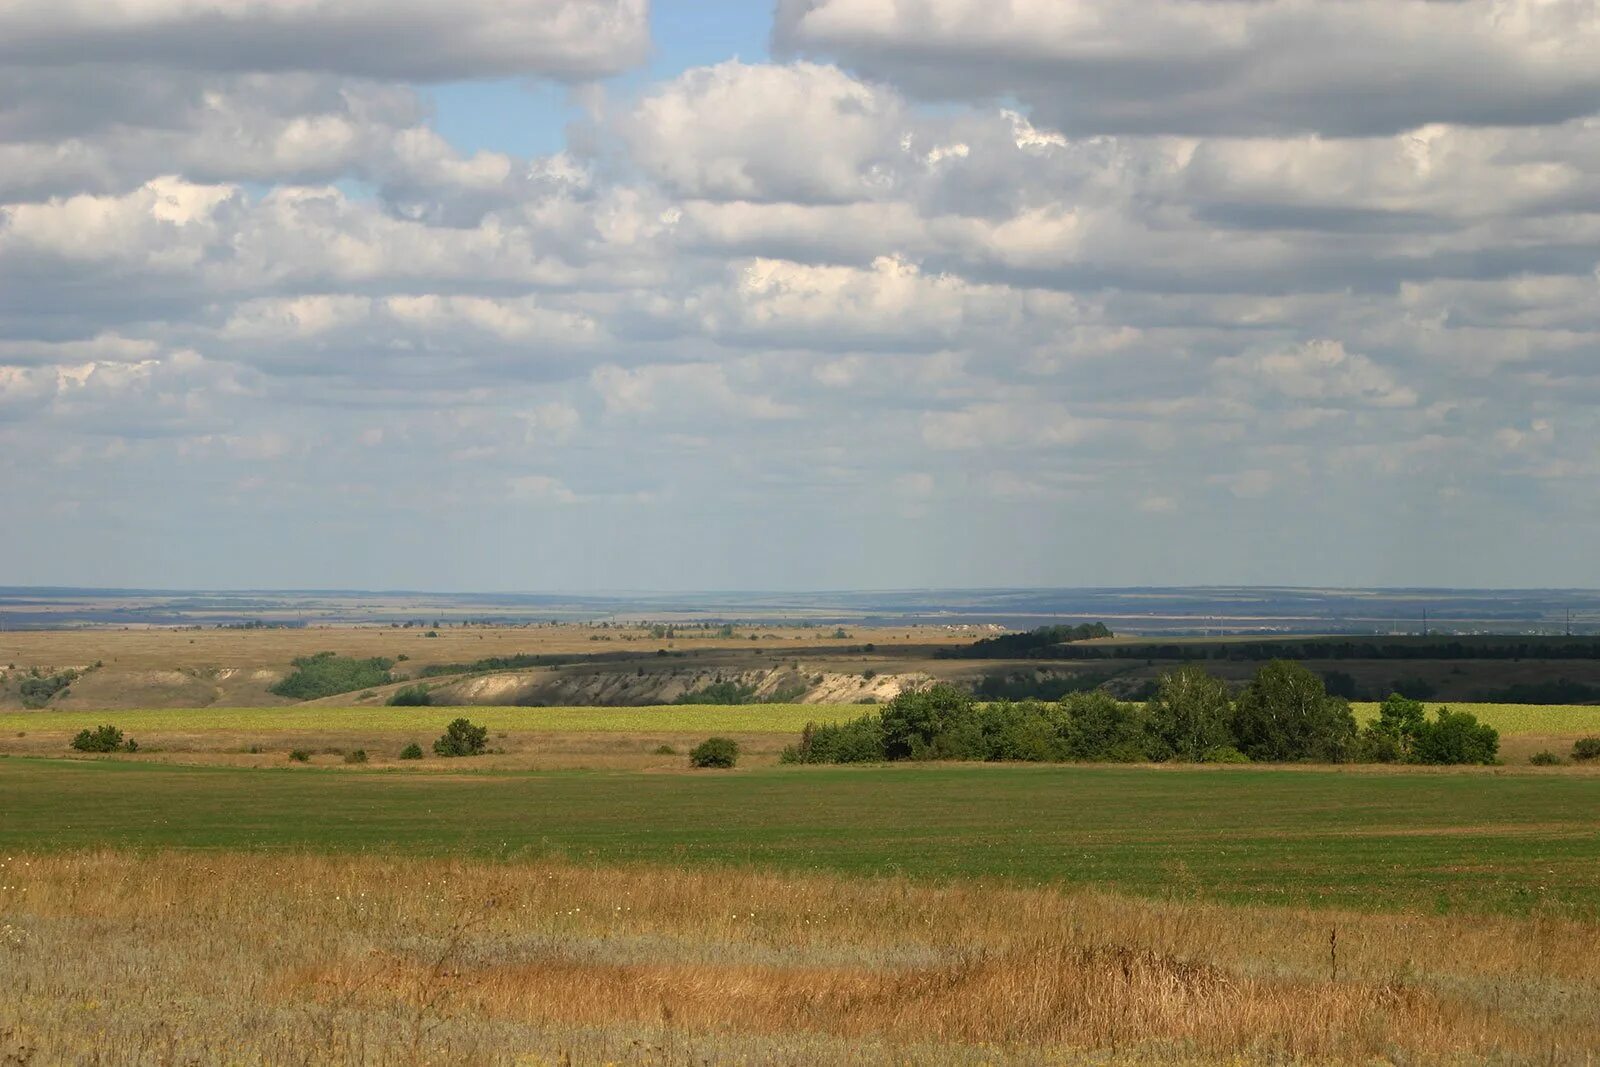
(1256, 67)
(411, 40)
(1317, 372)
(801, 133)
(933, 262)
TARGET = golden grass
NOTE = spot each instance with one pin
(173, 649)
(110, 957)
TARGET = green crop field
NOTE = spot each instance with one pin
(1381, 839)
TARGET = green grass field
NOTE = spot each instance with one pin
(1509, 719)
(1372, 839)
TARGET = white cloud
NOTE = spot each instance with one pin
(401, 39)
(1226, 66)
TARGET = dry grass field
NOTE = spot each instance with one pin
(577, 737)
(182, 958)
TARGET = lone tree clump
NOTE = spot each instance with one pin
(103, 739)
(1189, 716)
(412, 696)
(715, 752)
(411, 751)
(462, 738)
(1285, 714)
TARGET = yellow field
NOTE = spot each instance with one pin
(1510, 719)
(171, 958)
(674, 718)
(1516, 719)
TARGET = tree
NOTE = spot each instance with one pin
(462, 738)
(1189, 714)
(1100, 727)
(1285, 713)
(1392, 737)
(913, 721)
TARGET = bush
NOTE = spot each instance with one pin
(715, 752)
(327, 674)
(1546, 759)
(103, 739)
(462, 738)
(666, 750)
(1456, 737)
(1585, 749)
(728, 692)
(300, 755)
(1224, 754)
(356, 756)
(411, 751)
(412, 696)
(37, 691)
(857, 741)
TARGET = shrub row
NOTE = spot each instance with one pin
(1283, 715)
(326, 674)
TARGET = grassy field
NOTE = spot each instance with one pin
(1510, 719)
(673, 718)
(1478, 841)
(253, 958)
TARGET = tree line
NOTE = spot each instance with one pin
(1284, 714)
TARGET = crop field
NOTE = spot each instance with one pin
(1510, 719)
(674, 718)
(207, 900)
(1446, 840)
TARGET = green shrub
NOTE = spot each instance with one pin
(37, 691)
(412, 696)
(327, 674)
(715, 752)
(1224, 754)
(666, 750)
(1546, 759)
(1585, 749)
(857, 741)
(358, 755)
(1456, 737)
(411, 751)
(300, 755)
(462, 738)
(720, 693)
(103, 739)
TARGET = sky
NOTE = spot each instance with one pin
(586, 295)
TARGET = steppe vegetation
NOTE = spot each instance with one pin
(234, 890)
(229, 957)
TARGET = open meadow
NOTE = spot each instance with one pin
(944, 914)
(580, 894)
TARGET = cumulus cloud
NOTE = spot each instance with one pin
(1083, 263)
(1259, 67)
(392, 39)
